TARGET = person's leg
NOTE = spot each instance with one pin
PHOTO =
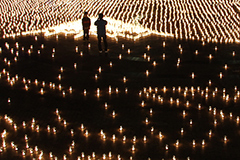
(84, 34)
(105, 42)
(99, 43)
(87, 36)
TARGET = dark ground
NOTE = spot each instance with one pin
(89, 110)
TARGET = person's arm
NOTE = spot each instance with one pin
(95, 23)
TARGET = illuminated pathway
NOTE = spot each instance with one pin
(206, 20)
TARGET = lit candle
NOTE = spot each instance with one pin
(146, 121)
(41, 91)
(120, 129)
(184, 113)
(182, 131)
(220, 75)
(113, 114)
(226, 67)
(209, 82)
(9, 100)
(160, 135)
(225, 139)
(233, 53)
(86, 133)
(191, 122)
(124, 79)
(148, 47)
(143, 104)
(196, 52)
(59, 77)
(134, 139)
(193, 143)
(193, 75)
(133, 148)
(124, 139)
(177, 143)
(154, 63)
(147, 73)
(166, 147)
(120, 56)
(210, 134)
(70, 89)
(145, 55)
(199, 107)
(129, 51)
(164, 89)
(63, 93)
(210, 56)
(144, 139)
(72, 132)
(203, 143)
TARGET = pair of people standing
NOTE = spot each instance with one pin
(101, 30)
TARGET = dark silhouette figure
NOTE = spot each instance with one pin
(86, 23)
(101, 32)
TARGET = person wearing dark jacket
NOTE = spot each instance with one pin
(101, 32)
(86, 23)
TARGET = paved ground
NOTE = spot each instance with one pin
(141, 98)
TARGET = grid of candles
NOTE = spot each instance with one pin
(186, 99)
(208, 20)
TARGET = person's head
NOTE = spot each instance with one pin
(85, 14)
(100, 16)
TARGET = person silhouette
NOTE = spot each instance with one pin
(101, 32)
(86, 23)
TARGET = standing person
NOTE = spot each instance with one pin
(101, 32)
(86, 23)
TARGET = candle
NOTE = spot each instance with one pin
(120, 56)
(129, 51)
(220, 75)
(122, 46)
(177, 143)
(147, 73)
(166, 147)
(143, 104)
(193, 143)
(124, 79)
(193, 75)
(203, 143)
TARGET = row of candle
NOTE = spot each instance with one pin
(176, 19)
